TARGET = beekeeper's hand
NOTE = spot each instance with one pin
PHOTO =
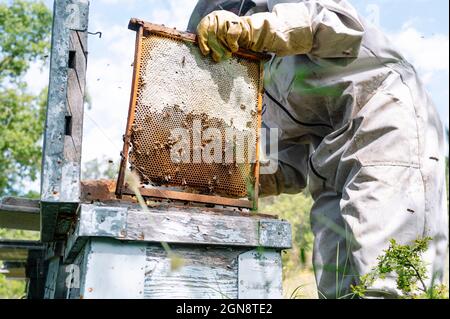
(219, 33)
(284, 31)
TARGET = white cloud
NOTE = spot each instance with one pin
(109, 73)
(174, 13)
(426, 53)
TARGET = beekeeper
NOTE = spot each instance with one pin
(355, 123)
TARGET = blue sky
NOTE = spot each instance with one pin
(418, 27)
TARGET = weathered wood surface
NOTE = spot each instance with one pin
(75, 99)
(260, 275)
(51, 279)
(190, 197)
(177, 225)
(113, 269)
(69, 16)
(63, 130)
(205, 274)
(17, 250)
(185, 227)
(17, 255)
(19, 213)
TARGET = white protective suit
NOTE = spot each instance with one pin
(355, 123)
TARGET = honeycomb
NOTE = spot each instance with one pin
(215, 106)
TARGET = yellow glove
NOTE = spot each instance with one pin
(284, 31)
(219, 33)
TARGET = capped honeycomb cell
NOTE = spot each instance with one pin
(193, 123)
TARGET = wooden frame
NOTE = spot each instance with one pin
(143, 28)
(127, 222)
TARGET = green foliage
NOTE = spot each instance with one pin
(410, 270)
(14, 289)
(25, 28)
(24, 36)
(21, 118)
(11, 289)
(295, 209)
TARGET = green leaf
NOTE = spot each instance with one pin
(25, 28)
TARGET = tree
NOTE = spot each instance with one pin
(25, 28)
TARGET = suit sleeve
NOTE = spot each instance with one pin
(321, 28)
(291, 173)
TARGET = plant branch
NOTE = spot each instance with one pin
(424, 289)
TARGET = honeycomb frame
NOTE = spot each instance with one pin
(232, 184)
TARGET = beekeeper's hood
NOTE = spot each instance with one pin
(239, 7)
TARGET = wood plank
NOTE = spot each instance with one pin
(14, 271)
(83, 38)
(176, 225)
(52, 275)
(13, 254)
(60, 177)
(80, 61)
(205, 274)
(131, 112)
(191, 228)
(74, 134)
(137, 270)
(260, 275)
(190, 197)
(103, 191)
(19, 213)
(113, 270)
(17, 250)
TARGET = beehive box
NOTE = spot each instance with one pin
(193, 124)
